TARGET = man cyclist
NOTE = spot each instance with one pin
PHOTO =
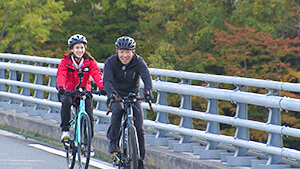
(122, 73)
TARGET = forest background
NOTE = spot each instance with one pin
(247, 38)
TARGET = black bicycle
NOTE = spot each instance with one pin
(128, 155)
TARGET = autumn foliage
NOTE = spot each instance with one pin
(249, 53)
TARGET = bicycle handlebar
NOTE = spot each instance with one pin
(124, 100)
(81, 92)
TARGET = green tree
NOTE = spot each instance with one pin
(271, 16)
(26, 25)
(171, 30)
(101, 21)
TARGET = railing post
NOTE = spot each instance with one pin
(274, 139)
(13, 75)
(186, 122)
(52, 96)
(210, 151)
(241, 132)
(212, 127)
(38, 93)
(2, 86)
(238, 157)
(162, 117)
(25, 91)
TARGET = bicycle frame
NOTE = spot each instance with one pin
(77, 119)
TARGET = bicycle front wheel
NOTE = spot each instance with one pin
(133, 148)
(70, 154)
(84, 148)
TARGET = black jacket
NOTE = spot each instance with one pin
(123, 79)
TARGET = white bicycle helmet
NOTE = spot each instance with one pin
(77, 38)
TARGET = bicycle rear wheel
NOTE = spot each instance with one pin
(70, 148)
(84, 148)
(133, 148)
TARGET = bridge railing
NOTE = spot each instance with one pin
(29, 82)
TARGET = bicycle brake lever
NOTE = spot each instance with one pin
(150, 105)
(109, 107)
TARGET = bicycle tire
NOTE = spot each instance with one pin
(84, 148)
(133, 148)
(70, 155)
(70, 148)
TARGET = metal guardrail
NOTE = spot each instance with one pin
(30, 81)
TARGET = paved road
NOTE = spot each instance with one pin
(17, 152)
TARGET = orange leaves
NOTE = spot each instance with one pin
(294, 11)
(247, 52)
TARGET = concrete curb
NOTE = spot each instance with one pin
(157, 157)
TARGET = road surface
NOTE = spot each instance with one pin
(18, 152)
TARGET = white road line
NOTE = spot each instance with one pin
(93, 162)
(10, 134)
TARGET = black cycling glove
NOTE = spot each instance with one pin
(148, 95)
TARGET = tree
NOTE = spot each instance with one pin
(24, 26)
(271, 16)
(176, 29)
(249, 53)
(101, 21)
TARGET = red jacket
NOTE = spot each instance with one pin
(67, 74)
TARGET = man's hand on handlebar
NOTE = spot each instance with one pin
(111, 99)
(148, 95)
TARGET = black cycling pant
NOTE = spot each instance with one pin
(66, 107)
(115, 124)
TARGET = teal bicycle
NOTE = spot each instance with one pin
(80, 129)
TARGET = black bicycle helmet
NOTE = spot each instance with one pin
(77, 38)
(125, 42)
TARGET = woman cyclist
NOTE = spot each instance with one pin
(77, 60)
